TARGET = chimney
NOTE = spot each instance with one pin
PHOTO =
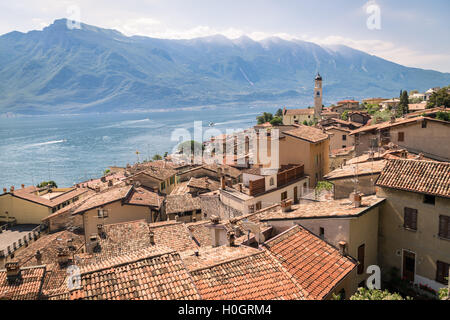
(11, 189)
(240, 187)
(215, 220)
(12, 270)
(110, 183)
(5, 190)
(23, 186)
(38, 257)
(222, 183)
(343, 248)
(218, 232)
(286, 205)
(97, 189)
(152, 237)
(355, 198)
(194, 219)
(231, 236)
(63, 256)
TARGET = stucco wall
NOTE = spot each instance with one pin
(424, 242)
(25, 212)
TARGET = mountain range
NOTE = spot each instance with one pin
(91, 69)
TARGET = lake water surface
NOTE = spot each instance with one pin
(71, 149)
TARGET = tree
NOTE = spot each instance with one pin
(106, 172)
(439, 99)
(279, 113)
(322, 185)
(51, 184)
(445, 116)
(166, 154)
(196, 147)
(344, 115)
(276, 121)
(157, 157)
(374, 294)
(402, 107)
(265, 117)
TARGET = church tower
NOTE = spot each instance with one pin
(318, 102)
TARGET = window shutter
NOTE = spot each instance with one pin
(410, 218)
(444, 226)
(442, 272)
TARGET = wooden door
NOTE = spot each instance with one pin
(409, 265)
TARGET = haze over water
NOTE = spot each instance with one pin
(73, 148)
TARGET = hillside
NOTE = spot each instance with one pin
(58, 70)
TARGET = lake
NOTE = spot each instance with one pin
(73, 148)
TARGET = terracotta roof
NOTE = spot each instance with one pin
(147, 274)
(26, 287)
(342, 151)
(72, 206)
(174, 235)
(159, 173)
(181, 203)
(180, 188)
(317, 265)
(398, 122)
(324, 209)
(107, 196)
(347, 101)
(307, 133)
(30, 194)
(429, 177)
(143, 197)
(48, 246)
(204, 183)
(200, 233)
(365, 168)
(123, 238)
(248, 274)
(295, 112)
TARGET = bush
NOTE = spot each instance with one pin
(51, 184)
(373, 294)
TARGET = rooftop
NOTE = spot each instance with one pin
(25, 287)
(204, 183)
(365, 168)
(321, 266)
(174, 235)
(428, 177)
(307, 133)
(242, 273)
(297, 112)
(179, 203)
(41, 195)
(324, 209)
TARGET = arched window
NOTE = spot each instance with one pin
(272, 181)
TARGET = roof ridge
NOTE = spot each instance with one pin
(227, 261)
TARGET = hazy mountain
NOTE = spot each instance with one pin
(94, 69)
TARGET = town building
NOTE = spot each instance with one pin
(414, 228)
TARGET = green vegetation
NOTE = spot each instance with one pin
(439, 99)
(268, 117)
(402, 107)
(157, 157)
(279, 113)
(322, 185)
(371, 108)
(193, 145)
(373, 294)
(51, 184)
(107, 171)
(440, 115)
(382, 116)
(344, 115)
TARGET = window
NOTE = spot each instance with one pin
(344, 146)
(444, 227)
(401, 137)
(251, 209)
(272, 181)
(102, 213)
(172, 180)
(361, 254)
(322, 233)
(424, 124)
(344, 137)
(429, 199)
(410, 219)
(284, 196)
(258, 206)
(442, 272)
(163, 185)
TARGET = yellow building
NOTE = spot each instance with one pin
(115, 205)
(352, 227)
(297, 116)
(415, 220)
(29, 205)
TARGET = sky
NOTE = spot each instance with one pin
(414, 33)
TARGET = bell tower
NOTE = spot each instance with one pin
(318, 101)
